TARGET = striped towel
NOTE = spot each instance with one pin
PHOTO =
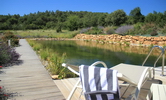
(99, 83)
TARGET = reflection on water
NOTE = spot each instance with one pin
(82, 52)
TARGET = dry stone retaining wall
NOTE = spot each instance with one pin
(126, 40)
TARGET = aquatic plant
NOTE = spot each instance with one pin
(53, 59)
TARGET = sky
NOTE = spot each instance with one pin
(22, 7)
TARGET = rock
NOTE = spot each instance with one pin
(54, 76)
(161, 43)
(115, 38)
(147, 43)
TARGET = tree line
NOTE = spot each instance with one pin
(73, 20)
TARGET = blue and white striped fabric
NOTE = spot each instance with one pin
(99, 83)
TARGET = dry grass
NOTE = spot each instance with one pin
(44, 33)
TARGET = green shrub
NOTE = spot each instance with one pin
(94, 31)
(37, 47)
(138, 26)
(44, 54)
(163, 31)
(147, 29)
(109, 30)
(10, 36)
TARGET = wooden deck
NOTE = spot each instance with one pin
(28, 80)
(66, 85)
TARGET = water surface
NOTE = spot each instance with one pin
(83, 52)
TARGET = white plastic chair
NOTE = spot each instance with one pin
(77, 73)
(134, 76)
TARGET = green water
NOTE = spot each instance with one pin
(83, 52)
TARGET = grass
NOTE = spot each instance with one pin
(54, 60)
(44, 33)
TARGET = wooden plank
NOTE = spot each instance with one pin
(62, 88)
(67, 83)
(78, 90)
(49, 96)
(66, 86)
(73, 80)
(159, 92)
(155, 92)
(70, 86)
(162, 92)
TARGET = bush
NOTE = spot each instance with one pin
(123, 29)
(109, 30)
(84, 30)
(153, 33)
(7, 54)
(94, 31)
(147, 29)
(59, 28)
(163, 31)
(10, 36)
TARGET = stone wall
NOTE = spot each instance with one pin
(126, 40)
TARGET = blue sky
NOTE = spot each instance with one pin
(30, 6)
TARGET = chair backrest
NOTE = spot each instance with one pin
(99, 83)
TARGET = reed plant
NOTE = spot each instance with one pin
(54, 66)
(54, 60)
(44, 53)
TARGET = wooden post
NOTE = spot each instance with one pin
(9, 43)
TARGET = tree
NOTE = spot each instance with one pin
(136, 16)
(164, 13)
(157, 18)
(160, 19)
(118, 17)
(150, 18)
(59, 27)
(72, 22)
(50, 24)
(13, 21)
(5, 26)
(108, 20)
(101, 20)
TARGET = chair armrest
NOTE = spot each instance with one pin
(126, 79)
(71, 69)
(77, 73)
(99, 62)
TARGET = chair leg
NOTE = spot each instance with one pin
(73, 90)
(80, 95)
